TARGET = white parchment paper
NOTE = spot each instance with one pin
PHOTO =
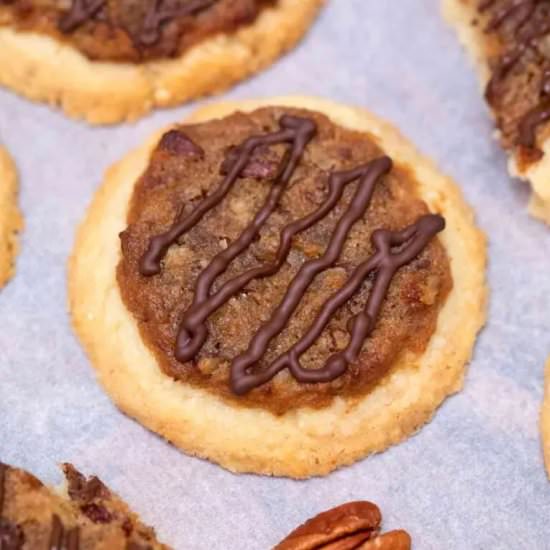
(472, 479)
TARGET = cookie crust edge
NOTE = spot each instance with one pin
(10, 218)
(459, 14)
(301, 443)
(545, 419)
(43, 69)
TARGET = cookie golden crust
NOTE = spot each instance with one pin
(10, 218)
(463, 15)
(105, 93)
(304, 442)
(545, 419)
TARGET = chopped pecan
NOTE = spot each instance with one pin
(352, 526)
(262, 164)
(176, 142)
(82, 488)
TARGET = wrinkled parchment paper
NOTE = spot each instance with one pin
(472, 479)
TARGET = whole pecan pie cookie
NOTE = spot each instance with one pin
(112, 60)
(88, 517)
(545, 419)
(351, 526)
(282, 287)
(509, 41)
(10, 219)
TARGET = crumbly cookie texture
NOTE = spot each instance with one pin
(10, 218)
(43, 69)
(304, 442)
(545, 419)
(85, 514)
(355, 525)
(464, 17)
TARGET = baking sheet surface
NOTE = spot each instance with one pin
(472, 479)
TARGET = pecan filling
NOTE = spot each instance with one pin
(279, 261)
(130, 30)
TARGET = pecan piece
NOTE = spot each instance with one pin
(352, 526)
(394, 540)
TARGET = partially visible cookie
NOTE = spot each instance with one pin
(508, 41)
(120, 59)
(10, 218)
(545, 419)
(351, 526)
(89, 516)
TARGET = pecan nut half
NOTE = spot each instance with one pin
(352, 526)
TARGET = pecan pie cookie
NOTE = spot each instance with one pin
(113, 60)
(351, 526)
(545, 419)
(510, 43)
(10, 219)
(282, 287)
(89, 516)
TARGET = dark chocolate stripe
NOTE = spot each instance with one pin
(60, 538)
(56, 534)
(294, 130)
(524, 8)
(161, 12)
(193, 328)
(385, 263)
(241, 380)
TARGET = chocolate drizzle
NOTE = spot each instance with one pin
(384, 264)
(159, 13)
(60, 538)
(520, 12)
(394, 249)
(193, 332)
(294, 130)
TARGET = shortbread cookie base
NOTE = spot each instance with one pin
(43, 69)
(545, 419)
(304, 442)
(10, 218)
(460, 14)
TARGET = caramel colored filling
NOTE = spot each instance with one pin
(186, 169)
(130, 30)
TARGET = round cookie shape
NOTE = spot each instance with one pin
(506, 41)
(314, 437)
(545, 419)
(10, 218)
(124, 58)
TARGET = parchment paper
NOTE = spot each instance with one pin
(472, 479)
